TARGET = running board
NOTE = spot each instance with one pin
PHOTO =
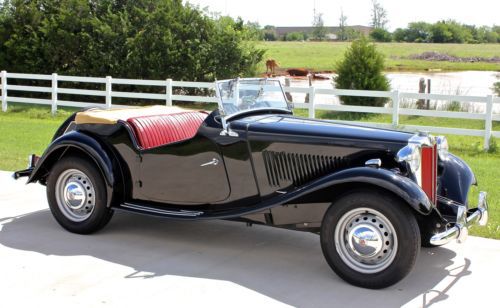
(159, 212)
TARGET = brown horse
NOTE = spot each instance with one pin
(271, 64)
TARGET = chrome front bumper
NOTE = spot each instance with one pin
(460, 230)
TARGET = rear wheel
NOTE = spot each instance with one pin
(77, 195)
(370, 239)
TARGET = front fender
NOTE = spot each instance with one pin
(85, 144)
(401, 186)
(456, 179)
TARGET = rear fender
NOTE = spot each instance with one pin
(84, 144)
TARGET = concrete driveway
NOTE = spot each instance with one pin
(146, 261)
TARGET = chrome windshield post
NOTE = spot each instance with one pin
(226, 129)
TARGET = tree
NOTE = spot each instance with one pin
(440, 33)
(381, 35)
(419, 32)
(353, 34)
(254, 31)
(319, 30)
(451, 31)
(362, 69)
(379, 15)
(270, 33)
(150, 39)
(342, 26)
(492, 37)
(496, 29)
(460, 33)
(399, 35)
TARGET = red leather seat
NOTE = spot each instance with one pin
(156, 130)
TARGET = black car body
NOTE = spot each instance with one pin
(253, 161)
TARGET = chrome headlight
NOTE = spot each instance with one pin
(442, 147)
(411, 155)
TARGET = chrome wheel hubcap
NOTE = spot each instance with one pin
(366, 240)
(75, 195)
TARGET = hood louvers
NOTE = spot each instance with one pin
(283, 168)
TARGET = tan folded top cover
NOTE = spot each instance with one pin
(99, 116)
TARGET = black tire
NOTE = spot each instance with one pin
(85, 221)
(391, 221)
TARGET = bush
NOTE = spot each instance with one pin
(449, 31)
(362, 69)
(381, 35)
(270, 33)
(150, 39)
(496, 88)
(294, 36)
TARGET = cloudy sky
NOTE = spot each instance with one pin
(400, 12)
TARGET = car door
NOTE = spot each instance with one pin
(187, 172)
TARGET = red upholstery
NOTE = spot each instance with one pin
(155, 130)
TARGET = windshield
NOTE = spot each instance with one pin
(240, 95)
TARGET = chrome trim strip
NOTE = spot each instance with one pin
(374, 162)
(160, 211)
(214, 162)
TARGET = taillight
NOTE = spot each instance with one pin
(429, 171)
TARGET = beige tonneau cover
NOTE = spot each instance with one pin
(100, 116)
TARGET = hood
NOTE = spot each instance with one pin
(311, 129)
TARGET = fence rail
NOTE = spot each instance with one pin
(395, 109)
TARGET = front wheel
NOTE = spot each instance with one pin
(77, 195)
(370, 239)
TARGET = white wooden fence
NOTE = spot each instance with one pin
(168, 97)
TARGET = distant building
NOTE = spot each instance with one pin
(332, 32)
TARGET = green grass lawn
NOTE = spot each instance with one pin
(322, 56)
(29, 129)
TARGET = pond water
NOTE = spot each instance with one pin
(453, 83)
(476, 83)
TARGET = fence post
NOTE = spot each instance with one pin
(53, 108)
(109, 85)
(168, 92)
(312, 96)
(3, 75)
(288, 94)
(488, 121)
(395, 108)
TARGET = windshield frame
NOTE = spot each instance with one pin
(225, 117)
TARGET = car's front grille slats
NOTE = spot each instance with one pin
(283, 169)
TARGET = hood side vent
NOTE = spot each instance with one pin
(283, 168)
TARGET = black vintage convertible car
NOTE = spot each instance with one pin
(374, 196)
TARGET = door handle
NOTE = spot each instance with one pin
(214, 162)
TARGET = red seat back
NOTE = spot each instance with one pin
(156, 130)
